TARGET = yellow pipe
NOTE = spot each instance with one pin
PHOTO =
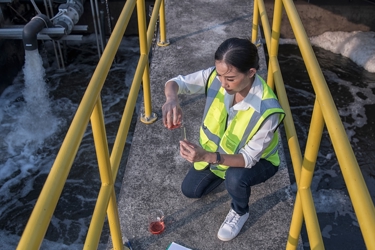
(294, 149)
(114, 222)
(119, 144)
(254, 32)
(101, 145)
(273, 39)
(276, 26)
(265, 23)
(163, 33)
(312, 146)
(315, 237)
(295, 224)
(267, 35)
(142, 27)
(97, 221)
(308, 166)
(308, 208)
(152, 25)
(146, 73)
(148, 117)
(49, 196)
(360, 197)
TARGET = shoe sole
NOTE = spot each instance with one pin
(226, 239)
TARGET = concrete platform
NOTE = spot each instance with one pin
(155, 170)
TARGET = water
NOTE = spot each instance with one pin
(35, 113)
(25, 160)
(348, 65)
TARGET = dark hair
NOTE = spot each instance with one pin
(240, 53)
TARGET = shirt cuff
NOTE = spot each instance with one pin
(248, 161)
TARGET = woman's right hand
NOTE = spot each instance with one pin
(172, 114)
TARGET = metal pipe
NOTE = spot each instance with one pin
(100, 28)
(67, 17)
(32, 28)
(97, 32)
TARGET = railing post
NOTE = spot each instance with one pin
(114, 222)
(102, 152)
(148, 117)
(295, 153)
(272, 38)
(254, 32)
(162, 27)
(307, 172)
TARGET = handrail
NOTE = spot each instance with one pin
(91, 108)
(324, 113)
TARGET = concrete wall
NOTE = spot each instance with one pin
(319, 16)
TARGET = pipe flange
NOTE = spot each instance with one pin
(74, 10)
(65, 21)
(73, 14)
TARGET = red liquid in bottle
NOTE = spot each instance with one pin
(175, 126)
(156, 227)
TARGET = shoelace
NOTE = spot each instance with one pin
(232, 219)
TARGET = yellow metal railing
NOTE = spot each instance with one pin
(324, 114)
(90, 109)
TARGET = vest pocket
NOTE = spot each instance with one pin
(230, 144)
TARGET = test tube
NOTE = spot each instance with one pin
(183, 132)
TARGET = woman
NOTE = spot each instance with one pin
(238, 138)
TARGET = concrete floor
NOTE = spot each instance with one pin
(155, 170)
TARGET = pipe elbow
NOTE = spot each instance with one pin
(32, 28)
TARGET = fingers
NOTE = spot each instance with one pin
(189, 151)
(186, 153)
(177, 118)
(172, 115)
(165, 113)
(186, 144)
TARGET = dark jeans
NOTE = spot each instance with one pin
(237, 182)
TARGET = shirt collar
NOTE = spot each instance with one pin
(253, 98)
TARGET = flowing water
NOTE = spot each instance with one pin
(36, 110)
(35, 113)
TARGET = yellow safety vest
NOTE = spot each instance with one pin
(216, 136)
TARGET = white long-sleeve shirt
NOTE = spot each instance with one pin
(195, 84)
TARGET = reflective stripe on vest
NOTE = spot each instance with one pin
(215, 136)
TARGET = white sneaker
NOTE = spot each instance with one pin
(232, 225)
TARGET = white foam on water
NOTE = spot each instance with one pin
(330, 200)
(326, 231)
(360, 48)
(35, 123)
(356, 108)
(26, 122)
(357, 45)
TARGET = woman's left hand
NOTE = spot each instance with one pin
(192, 152)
